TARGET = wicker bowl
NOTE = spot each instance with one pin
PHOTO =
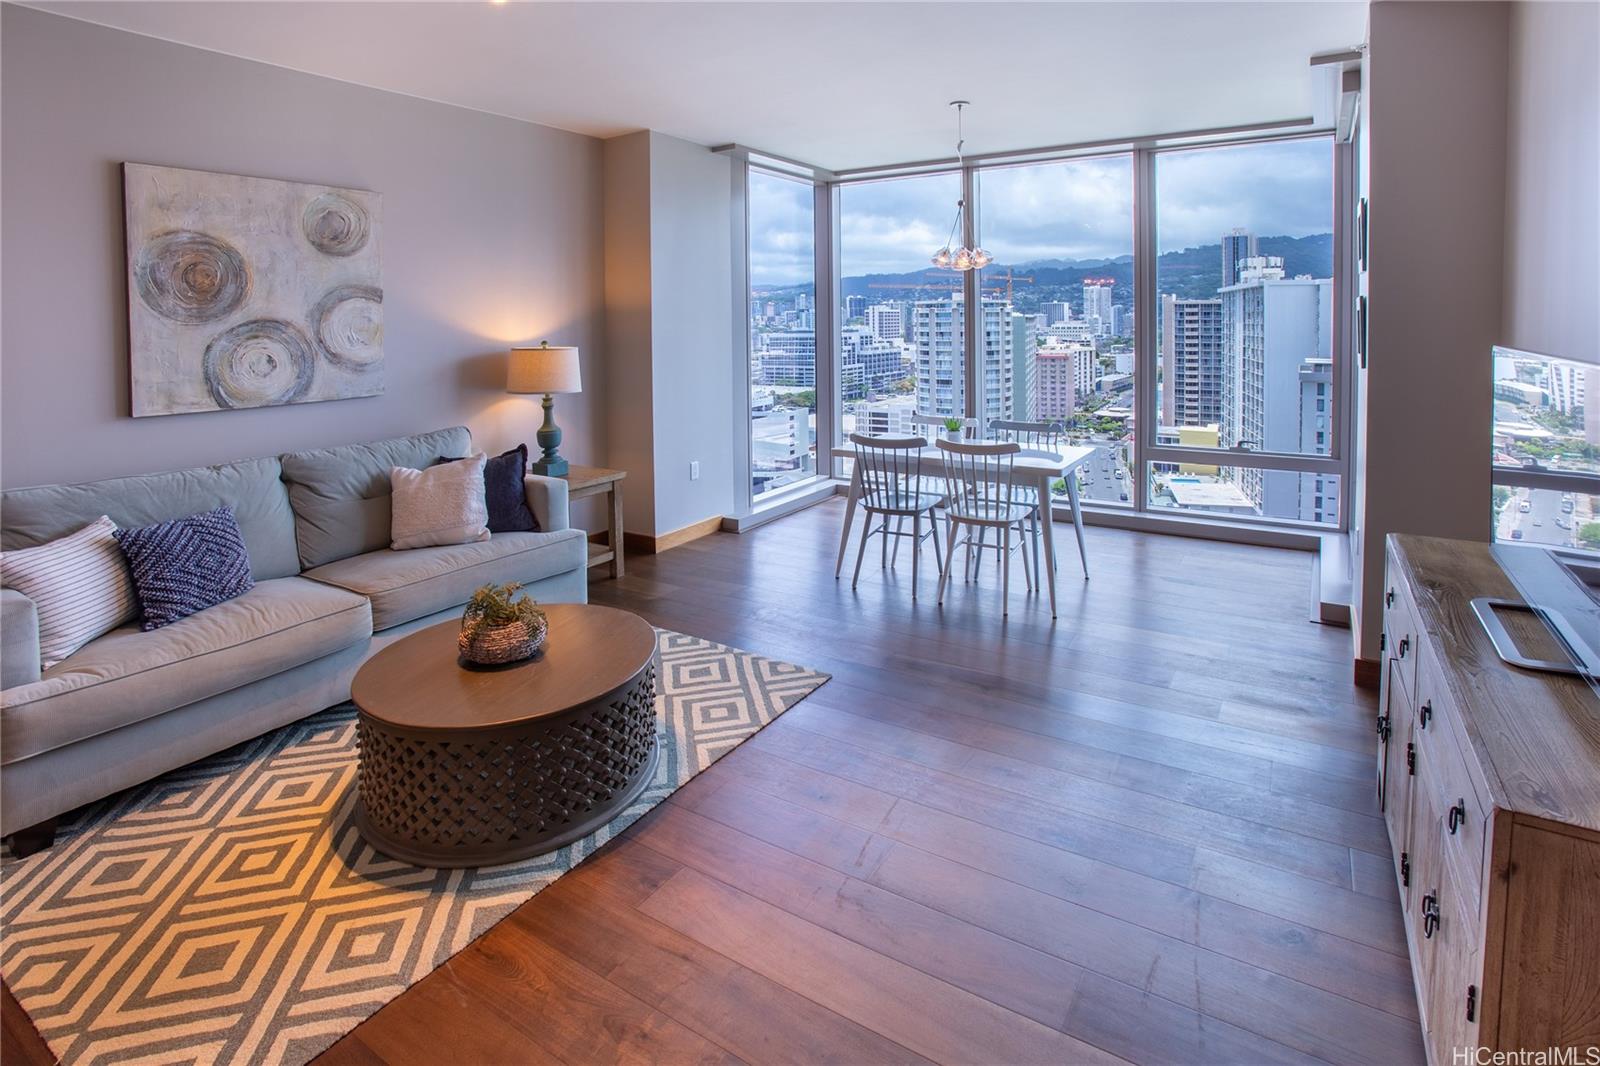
(495, 645)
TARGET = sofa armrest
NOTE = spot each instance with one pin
(19, 639)
(547, 499)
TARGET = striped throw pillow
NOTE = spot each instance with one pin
(80, 585)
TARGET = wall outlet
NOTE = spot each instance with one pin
(694, 470)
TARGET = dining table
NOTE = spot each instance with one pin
(1033, 467)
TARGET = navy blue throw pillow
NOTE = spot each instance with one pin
(503, 491)
(186, 565)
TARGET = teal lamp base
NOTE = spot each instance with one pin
(550, 464)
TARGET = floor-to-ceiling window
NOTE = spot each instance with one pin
(901, 326)
(1058, 303)
(1245, 347)
(783, 336)
(1174, 307)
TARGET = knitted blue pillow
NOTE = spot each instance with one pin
(186, 565)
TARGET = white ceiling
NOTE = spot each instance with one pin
(835, 84)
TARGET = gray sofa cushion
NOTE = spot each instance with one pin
(340, 495)
(128, 676)
(19, 639)
(405, 585)
(253, 487)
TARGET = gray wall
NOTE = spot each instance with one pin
(670, 328)
(630, 425)
(491, 228)
(691, 218)
(1435, 115)
(1552, 265)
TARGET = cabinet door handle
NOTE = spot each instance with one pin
(1388, 598)
(1425, 714)
(1405, 646)
(1458, 815)
(1411, 759)
(1405, 870)
(1383, 726)
(1430, 915)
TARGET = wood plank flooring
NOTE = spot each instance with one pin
(1144, 832)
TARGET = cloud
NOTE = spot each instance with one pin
(1077, 209)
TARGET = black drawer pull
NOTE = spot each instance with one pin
(1458, 815)
(1411, 759)
(1388, 598)
(1425, 714)
(1430, 915)
(1383, 726)
(1405, 646)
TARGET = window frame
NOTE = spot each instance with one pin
(1146, 449)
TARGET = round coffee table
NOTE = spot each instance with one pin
(464, 766)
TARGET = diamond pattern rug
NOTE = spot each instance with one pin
(230, 912)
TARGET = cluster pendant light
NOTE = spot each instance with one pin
(962, 257)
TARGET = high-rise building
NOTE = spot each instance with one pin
(1071, 332)
(1065, 375)
(789, 357)
(1271, 326)
(1565, 383)
(1191, 361)
(1319, 493)
(1097, 304)
(867, 363)
(1236, 245)
(1024, 369)
(889, 417)
(1120, 321)
(1056, 311)
(937, 329)
(780, 447)
(854, 307)
(887, 321)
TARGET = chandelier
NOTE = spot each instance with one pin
(962, 258)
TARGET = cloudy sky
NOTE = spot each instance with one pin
(1075, 210)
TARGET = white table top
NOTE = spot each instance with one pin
(1052, 463)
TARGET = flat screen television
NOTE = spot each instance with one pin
(1546, 500)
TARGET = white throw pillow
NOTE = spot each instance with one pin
(443, 504)
(80, 584)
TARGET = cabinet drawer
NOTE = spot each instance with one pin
(1463, 821)
(1400, 630)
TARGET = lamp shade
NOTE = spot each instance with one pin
(546, 368)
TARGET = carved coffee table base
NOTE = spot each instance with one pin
(453, 798)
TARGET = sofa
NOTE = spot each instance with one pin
(329, 592)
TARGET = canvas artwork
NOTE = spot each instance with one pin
(249, 292)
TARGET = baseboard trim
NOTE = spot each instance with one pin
(646, 544)
(1368, 673)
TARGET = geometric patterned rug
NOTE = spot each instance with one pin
(229, 912)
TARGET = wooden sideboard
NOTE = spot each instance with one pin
(1489, 779)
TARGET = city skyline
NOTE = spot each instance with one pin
(1080, 210)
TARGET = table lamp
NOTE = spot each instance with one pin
(547, 370)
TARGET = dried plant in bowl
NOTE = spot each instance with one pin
(500, 626)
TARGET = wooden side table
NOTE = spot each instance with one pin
(583, 481)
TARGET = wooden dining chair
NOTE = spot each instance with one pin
(980, 495)
(1044, 437)
(892, 490)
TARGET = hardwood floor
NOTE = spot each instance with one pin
(1143, 832)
